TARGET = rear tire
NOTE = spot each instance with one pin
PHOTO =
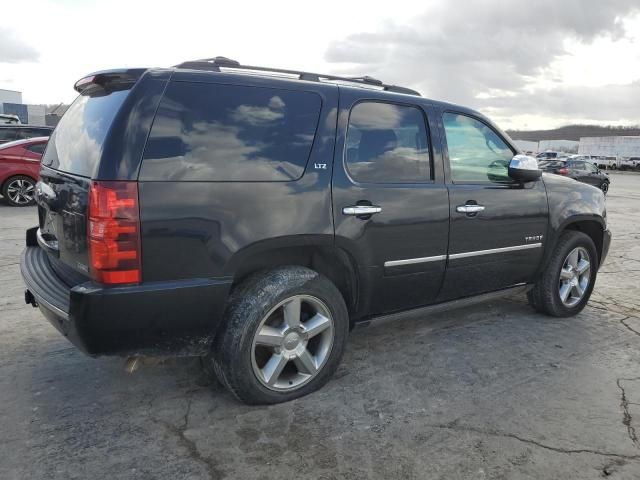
(570, 273)
(283, 336)
(19, 191)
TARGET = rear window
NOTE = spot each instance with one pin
(76, 144)
(213, 132)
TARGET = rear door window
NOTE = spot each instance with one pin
(215, 132)
(387, 143)
(76, 144)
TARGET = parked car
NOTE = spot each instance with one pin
(606, 162)
(20, 169)
(631, 163)
(548, 155)
(9, 119)
(580, 170)
(10, 133)
(224, 210)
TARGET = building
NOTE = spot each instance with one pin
(620, 146)
(11, 104)
(566, 146)
(527, 146)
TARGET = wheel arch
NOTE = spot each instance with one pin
(334, 263)
(591, 225)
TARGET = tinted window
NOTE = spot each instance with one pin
(37, 148)
(476, 152)
(576, 165)
(24, 133)
(7, 134)
(214, 132)
(76, 144)
(387, 144)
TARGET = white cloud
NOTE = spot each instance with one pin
(494, 55)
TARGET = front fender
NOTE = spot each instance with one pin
(572, 204)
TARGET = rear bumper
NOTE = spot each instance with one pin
(155, 318)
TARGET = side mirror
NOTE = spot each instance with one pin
(524, 168)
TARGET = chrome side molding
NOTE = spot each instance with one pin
(453, 256)
(477, 253)
(411, 261)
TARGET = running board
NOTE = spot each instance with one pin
(445, 306)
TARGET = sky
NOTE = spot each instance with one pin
(526, 64)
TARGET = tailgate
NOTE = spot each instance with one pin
(62, 213)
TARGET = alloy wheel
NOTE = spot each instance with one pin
(604, 187)
(21, 191)
(292, 343)
(574, 276)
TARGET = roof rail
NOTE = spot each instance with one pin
(214, 65)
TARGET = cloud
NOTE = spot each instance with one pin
(14, 50)
(483, 53)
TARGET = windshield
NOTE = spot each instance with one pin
(76, 144)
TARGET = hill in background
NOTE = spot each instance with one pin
(572, 132)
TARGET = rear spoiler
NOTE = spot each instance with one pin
(105, 82)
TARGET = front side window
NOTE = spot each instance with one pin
(214, 132)
(387, 143)
(476, 152)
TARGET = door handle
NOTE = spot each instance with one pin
(469, 208)
(359, 210)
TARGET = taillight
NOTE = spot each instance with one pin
(114, 232)
(563, 171)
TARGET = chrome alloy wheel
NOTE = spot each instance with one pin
(292, 343)
(574, 276)
(21, 191)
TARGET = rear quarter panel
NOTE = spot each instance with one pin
(193, 229)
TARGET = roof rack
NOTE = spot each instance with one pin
(215, 64)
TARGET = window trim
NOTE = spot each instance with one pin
(446, 149)
(423, 113)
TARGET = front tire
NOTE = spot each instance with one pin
(283, 337)
(604, 187)
(566, 284)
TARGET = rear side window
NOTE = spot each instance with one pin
(387, 143)
(76, 144)
(214, 132)
(37, 148)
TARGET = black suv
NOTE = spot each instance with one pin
(9, 133)
(254, 215)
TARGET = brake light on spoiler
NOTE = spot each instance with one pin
(114, 232)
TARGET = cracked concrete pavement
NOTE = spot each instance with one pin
(492, 391)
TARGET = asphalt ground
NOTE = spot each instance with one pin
(491, 391)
